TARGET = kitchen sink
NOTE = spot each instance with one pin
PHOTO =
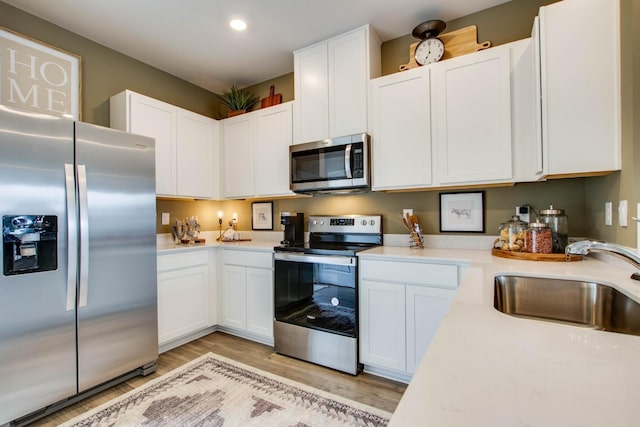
(588, 304)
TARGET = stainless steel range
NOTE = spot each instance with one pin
(316, 291)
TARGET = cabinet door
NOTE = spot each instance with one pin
(348, 83)
(194, 155)
(401, 130)
(238, 134)
(311, 86)
(260, 301)
(382, 324)
(581, 111)
(234, 297)
(272, 141)
(425, 309)
(183, 296)
(157, 119)
(525, 111)
(472, 118)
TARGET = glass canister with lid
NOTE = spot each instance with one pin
(559, 224)
(512, 234)
(538, 238)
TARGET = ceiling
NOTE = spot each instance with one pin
(191, 39)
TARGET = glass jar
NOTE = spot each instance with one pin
(558, 222)
(511, 236)
(538, 238)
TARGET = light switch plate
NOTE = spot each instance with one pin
(608, 213)
(165, 218)
(622, 213)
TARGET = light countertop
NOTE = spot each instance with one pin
(486, 368)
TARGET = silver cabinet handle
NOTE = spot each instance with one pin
(84, 236)
(635, 219)
(72, 237)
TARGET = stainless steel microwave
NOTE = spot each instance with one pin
(332, 165)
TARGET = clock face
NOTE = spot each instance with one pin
(429, 51)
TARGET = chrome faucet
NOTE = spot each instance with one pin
(583, 247)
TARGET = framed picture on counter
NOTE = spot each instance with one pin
(262, 216)
(462, 212)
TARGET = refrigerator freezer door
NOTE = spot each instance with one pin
(37, 331)
(117, 314)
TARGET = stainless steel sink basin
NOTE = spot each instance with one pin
(588, 304)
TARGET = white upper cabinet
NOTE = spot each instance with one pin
(331, 83)
(401, 130)
(471, 105)
(237, 146)
(256, 153)
(469, 120)
(580, 76)
(273, 138)
(187, 145)
(197, 174)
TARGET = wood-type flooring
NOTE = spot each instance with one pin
(365, 388)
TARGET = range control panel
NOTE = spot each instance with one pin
(345, 224)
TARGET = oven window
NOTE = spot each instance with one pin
(317, 296)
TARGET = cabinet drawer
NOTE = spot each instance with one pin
(248, 258)
(182, 260)
(410, 272)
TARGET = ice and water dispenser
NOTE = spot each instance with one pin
(30, 243)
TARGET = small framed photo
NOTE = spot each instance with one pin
(462, 212)
(262, 216)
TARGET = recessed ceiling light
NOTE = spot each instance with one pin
(238, 24)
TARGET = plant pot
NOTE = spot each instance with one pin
(232, 113)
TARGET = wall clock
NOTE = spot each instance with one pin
(430, 49)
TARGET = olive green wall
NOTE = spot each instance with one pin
(623, 185)
(106, 72)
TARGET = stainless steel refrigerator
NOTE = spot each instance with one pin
(78, 298)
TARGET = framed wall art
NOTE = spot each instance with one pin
(262, 216)
(462, 212)
(37, 77)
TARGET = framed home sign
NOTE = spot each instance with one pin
(37, 77)
(262, 216)
(462, 212)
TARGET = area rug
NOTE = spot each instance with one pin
(215, 391)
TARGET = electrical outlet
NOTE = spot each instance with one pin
(622, 213)
(608, 213)
(165, 218)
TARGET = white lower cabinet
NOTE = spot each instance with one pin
(247, 294)
(401, 306)
(184, 293)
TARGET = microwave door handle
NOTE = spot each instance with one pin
(347, 161)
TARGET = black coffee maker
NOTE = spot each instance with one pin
(293, 229)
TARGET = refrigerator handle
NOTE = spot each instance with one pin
(84, 236)
(72, 238)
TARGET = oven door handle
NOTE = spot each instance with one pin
(315, 259)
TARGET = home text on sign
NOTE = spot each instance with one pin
(37, 78)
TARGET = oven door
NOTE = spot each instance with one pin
(317, 292)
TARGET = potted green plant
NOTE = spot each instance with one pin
(237, 100)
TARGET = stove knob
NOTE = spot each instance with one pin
(364, 222)
(372, 222)
(315, 222)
